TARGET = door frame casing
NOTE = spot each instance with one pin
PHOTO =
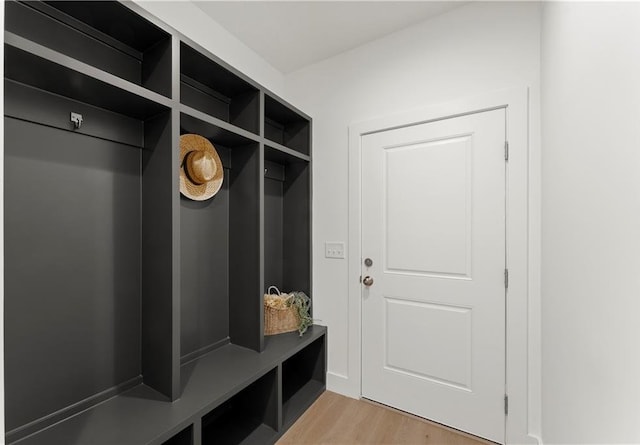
(522, 359)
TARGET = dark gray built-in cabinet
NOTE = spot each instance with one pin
(134, 315)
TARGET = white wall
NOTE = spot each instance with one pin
(474, 49)
(187, 18)
(591, 222)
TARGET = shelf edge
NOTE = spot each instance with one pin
(218, 122)
(286, 150)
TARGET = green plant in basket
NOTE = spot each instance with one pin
(302, 304)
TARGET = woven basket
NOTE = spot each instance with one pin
(278, 318)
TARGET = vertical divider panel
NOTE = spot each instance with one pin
(159, 275)
(197, 432)
(261, 213)
(262, 283)
(280, 401)
(261, 115)
(272, 411)
(261, 244)
(309, 240)
(160, 243)
(175, 215)
(245, 267)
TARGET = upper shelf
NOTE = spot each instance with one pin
(283, 155)
(212, 89)
(217, 132)
(35, 65)
(105, 35)
(285, 126)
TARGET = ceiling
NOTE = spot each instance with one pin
(292, 34)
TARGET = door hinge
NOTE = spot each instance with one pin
(360, 279)
(506, 150)
(506, 278)
(506, 404)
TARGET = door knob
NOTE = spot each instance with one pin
(367, 281)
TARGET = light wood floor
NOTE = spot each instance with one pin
(337, 420)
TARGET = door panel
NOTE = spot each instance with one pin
(434, 225)
(423, 322)
(436, 172)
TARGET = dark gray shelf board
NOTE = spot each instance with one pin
(298, 403)
(219, 123)
(282, 154)
(143, 416)
(55, 72)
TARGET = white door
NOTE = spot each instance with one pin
(433, 224)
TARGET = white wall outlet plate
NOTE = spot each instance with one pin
(334, 250)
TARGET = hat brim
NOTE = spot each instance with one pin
(199, 192)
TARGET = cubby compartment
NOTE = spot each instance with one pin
(213, 89)
(303, 380)
(184, 437)
(248, 418)
(73, 335)
(287, 224)
(220, 254)
(286, 126)
(105, 35)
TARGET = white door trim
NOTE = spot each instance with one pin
(523, 253)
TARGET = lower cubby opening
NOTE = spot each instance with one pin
(184, 437)
(249, 417)
(303, 380)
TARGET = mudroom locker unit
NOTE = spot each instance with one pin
(132, 314)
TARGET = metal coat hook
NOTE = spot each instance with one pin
(76, 120)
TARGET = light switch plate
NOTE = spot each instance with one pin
(334, 250)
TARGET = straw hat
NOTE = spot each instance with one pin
(201, 170)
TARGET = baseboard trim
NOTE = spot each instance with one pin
(536, 439)
(341, 384)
